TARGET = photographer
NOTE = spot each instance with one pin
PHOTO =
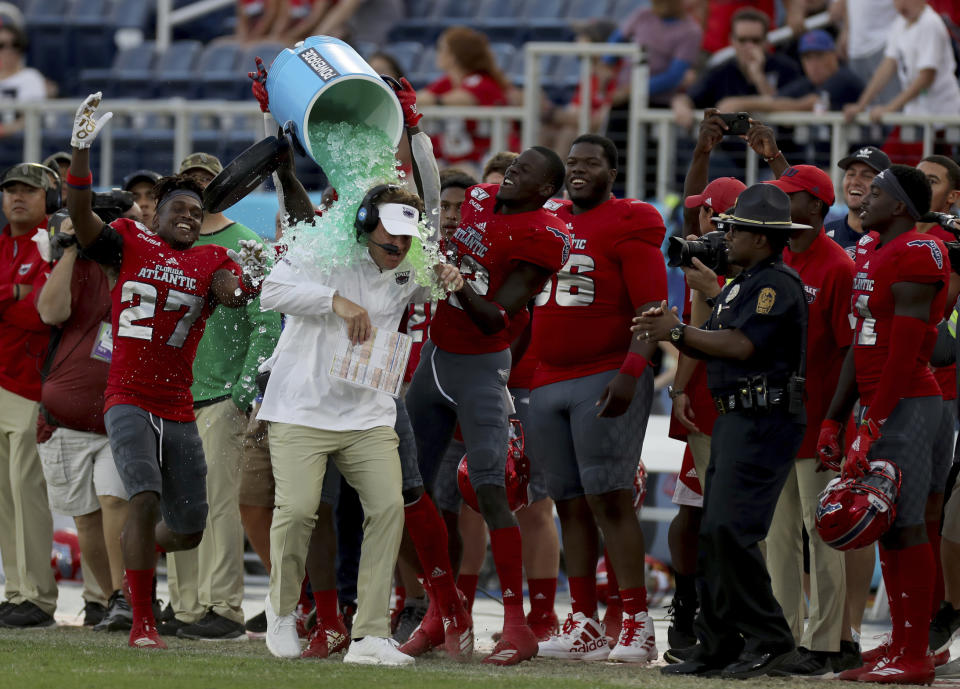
(754, 346)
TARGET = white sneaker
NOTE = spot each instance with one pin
(282, 638)
(637, 643)
(375, 650)
(581, 638)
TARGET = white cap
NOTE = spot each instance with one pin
(399, 219)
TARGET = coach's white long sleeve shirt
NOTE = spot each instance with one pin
(301, 391)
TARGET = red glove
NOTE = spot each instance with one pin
(408, 103)
(857, 464)
(259, 86)
(828, 445)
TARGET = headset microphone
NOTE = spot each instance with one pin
(391, 249)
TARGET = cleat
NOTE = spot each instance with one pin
(581, 638)
(374, 650)
(93, 613)
(302, 615)
(119, 616)
(941, 658)
(213, 627)
(516, 644)
(681, 613)
(944, 627)
(428, 635)
(901, 670)
(144, 635)
(338, 638)
(408, 619)
(458, 632)
(636, 643)
(544, 624)
(316, 643)
(612, 618)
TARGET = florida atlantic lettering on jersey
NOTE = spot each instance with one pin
(581, 322)
(487, 247)
(911, 257)
(160, 306)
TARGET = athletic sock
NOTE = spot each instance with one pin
(916, 584)
(305, 598)
(467, 583)
(327, 607)
(140, 582)
(583, 595)
(429, 536)
(891, 580)
(508, 558)
(542, 594)
(634, 600)
(933, 535)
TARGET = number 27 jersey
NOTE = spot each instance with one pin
(910, 257)
(160, 306)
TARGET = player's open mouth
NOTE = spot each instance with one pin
(578, 182)
(507, 182)
(184, 226)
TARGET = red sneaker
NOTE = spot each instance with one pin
(457, 633)
(316, 643)
(878, 653)
(544, 624)
(338, 638)
(302, 615)
(517, 644)
(612, 621)
(428, 635)
(144, 635)
(902, 670)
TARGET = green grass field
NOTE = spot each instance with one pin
(75, 658)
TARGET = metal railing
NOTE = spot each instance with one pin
(643, 121)
(168, 17)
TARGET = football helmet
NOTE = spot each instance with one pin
(65, 555)
(517, 473)
(855, 512)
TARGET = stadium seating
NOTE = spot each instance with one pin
(137, 60)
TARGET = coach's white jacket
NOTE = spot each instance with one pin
(301, 390)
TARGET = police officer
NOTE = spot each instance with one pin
(754, 346)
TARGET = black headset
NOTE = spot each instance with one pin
(52, 199)
(367, 214)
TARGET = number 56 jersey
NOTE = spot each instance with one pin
(486, 247)
(160, 306)
(910, 257)
(581, 323)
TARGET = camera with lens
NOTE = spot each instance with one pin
(111, 205)
(59, 240)
(711, 249)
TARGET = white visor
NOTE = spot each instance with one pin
(399, 219)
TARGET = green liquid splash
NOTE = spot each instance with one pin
(355, 158)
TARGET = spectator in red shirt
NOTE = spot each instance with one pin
(26, 527)
(716, 18)
(471, 77)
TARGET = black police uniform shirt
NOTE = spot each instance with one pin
(766, 303)
(844, 235)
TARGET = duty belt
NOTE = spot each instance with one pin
(734, 401)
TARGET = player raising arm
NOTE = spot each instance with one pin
(165, 290)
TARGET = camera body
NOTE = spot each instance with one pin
(711, 249)
(110, 205)
(738, 122)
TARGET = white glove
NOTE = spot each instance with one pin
(85, 127)
(42, 239)
(252, 258)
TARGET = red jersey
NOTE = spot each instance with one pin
(77, 375)
(160, 306)
(583, 315)
(419, 316)
(23, 336)
(946, 375)
(827, 273)
(487, 247)
(910, 257)
(701, 401)
(467, 139)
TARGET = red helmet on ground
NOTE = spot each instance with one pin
(65, 556)
(855, 512)
(517, 473)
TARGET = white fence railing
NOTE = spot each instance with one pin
(645, 124)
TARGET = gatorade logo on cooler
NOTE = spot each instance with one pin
(319, 65)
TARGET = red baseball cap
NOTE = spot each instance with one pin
(720, 195)
(806, 178)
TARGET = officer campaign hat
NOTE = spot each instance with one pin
(761, 208)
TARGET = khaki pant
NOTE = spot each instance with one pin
(784, 551)
(26, 526)
(370, 462)
(211, 576)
